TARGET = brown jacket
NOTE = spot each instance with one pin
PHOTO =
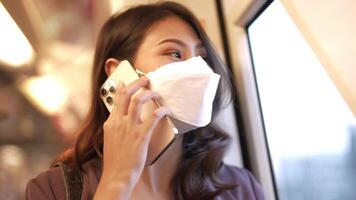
(50, 185)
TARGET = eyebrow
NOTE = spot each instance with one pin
(179, 42)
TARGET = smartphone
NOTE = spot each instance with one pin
(125, 73)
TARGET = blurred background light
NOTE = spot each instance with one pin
(115, 5)
(15, 49)
(12, 157)
(45, 92)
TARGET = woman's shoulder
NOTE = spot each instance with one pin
(51, 184)
(47, 185)
(234, 174)
(247, 187)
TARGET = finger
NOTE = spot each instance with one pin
(124, 94)
(151, 122)
(137, 102)
(119, 85)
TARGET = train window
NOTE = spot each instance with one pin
(310, 130)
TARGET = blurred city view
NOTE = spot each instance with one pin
(310, 129)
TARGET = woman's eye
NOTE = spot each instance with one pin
(175, 54)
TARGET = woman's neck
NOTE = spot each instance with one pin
(157, 177)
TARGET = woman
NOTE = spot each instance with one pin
(112, 148)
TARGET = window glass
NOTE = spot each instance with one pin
(311, 132)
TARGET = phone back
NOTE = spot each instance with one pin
(124, 73)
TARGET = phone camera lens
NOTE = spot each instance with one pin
(109, 100)
(112, 89)
(104, 92)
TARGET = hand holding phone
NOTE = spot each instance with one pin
(126, 74)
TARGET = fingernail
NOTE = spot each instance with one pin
(166, 110)
(169, 111)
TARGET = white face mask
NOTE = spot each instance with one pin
(188, 88)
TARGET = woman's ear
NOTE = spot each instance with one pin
(110, 65)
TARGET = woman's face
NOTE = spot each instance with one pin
(169, 40)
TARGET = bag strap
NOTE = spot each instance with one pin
(73, 181)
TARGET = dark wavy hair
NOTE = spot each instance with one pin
(203, 148)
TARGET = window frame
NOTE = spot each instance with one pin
(239, 15)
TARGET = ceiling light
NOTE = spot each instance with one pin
(45, 92)
(15, 49)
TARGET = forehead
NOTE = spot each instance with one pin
(171, 28)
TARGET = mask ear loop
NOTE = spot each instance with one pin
(159, 104)
(139, 73)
